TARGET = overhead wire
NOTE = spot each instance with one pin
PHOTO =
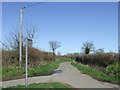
(33, 5)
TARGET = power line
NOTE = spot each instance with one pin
(35, 4)
(21, 12)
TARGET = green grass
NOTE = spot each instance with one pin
(95, 73)
(46, 69)
(44, 85)
(15, 72)
(9, 73)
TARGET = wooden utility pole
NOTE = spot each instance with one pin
(20, 49)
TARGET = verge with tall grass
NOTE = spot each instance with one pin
(96, 74)
(102, 66)
(15, 72)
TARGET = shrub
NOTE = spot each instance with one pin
(100, 59)
(36, 57)
(113, 69)
(9, 57)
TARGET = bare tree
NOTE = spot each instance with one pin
(87, 47)
(100, 50)
(30, 31)
(13, 40)
(53, 46)
(3, 46)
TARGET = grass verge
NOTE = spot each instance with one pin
(44, 85)
(96, 74)
(15, 72)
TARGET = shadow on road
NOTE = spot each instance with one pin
(57, 71)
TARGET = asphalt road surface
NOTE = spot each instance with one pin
(69, 75)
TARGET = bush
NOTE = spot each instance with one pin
(101, 59)
(10, 57)
(113, 69)
(36, 57)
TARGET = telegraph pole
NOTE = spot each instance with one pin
(20, 61)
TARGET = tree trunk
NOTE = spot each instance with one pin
(53, 56)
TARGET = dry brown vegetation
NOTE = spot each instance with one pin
(100, 59)
(36, 57)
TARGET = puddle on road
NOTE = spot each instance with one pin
(57, 72)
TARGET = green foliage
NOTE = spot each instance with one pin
(104, 66)
(9, 73)
(95, 73)
(87, 50)
(113, 69)
(44, 85)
